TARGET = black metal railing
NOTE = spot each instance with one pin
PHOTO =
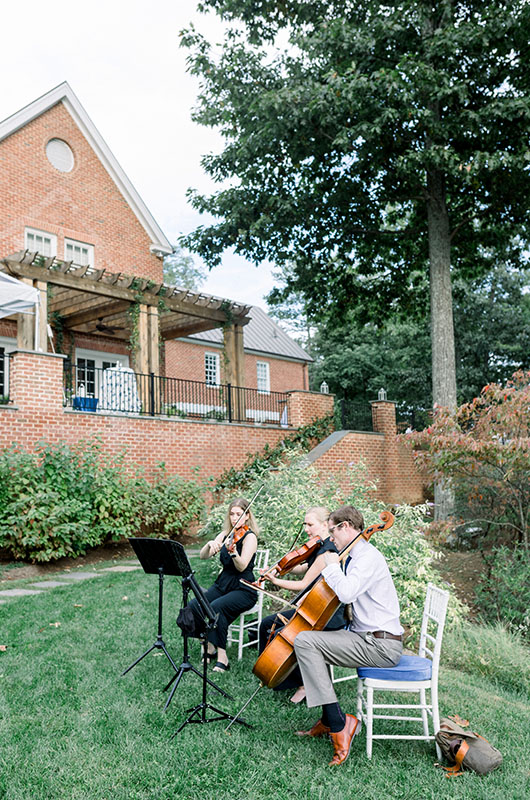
(352, 416)
(89, 388)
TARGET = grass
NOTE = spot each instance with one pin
(71, 727)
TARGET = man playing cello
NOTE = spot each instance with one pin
(373, 638)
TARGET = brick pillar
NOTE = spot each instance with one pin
(304, 407)
(384, 421)
(36, 380)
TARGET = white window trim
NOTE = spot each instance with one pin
(267, 377)
(215, 356)
(74, 242)
(99, 356)
(36, 232)
(9, 345)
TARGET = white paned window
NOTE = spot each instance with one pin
(79, 253)
(44, 243)
(211, 368)
(263, 377)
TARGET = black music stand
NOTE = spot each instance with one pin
(207, 612)
(198, 712)
(158, 557)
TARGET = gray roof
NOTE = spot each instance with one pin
(261, 335)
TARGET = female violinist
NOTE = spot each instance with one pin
(236, 544)
(315, 524)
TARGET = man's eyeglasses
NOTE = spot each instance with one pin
(335, 526)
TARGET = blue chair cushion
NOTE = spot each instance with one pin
(409, 668)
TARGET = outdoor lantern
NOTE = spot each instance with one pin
(381, 394)
(324, 388)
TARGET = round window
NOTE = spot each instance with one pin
(60, 155)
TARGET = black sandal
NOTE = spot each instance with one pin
(220, 667)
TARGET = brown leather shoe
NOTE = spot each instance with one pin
(318, 729)
(342, 740)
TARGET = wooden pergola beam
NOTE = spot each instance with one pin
(104, 288)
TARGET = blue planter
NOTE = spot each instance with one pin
(85, 403)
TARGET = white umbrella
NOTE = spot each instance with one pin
(17, 297)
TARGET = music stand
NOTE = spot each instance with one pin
(188, 581)
(158, 557)
(198, 712)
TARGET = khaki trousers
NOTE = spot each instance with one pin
(343, 648)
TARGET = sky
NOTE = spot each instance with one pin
(123, 61)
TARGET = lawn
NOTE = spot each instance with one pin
(72, 727)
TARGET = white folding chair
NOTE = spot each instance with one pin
(249, 620)
(412, 674)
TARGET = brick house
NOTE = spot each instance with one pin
(213, 380)
(64, 195)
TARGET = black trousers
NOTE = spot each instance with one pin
(229, 606)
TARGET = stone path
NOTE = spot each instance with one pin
(66, 579)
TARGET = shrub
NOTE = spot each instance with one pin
(504, 591)
(60, 501)
(293, 488)
(483, 451)
(172, 504)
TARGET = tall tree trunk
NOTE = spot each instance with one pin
(442, 331)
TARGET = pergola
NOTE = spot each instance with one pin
(96, 301)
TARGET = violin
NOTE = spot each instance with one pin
(235, 537)
(291, 560)
(318, 605)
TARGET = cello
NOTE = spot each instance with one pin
(313, 613)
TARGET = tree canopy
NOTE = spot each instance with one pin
(383, 138)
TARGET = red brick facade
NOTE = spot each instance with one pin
(185, 360)
(36, 412)
(84, 204)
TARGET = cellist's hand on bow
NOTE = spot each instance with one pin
(331, 558)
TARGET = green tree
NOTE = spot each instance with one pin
(492, 336)
(383, 143)
(181, 270)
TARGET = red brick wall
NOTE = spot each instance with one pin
(36, 412)
(84, 204)
(185, 360)
(389, 463)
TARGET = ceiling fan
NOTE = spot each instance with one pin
(100, 326)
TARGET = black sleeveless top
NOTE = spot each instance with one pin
(229, 578)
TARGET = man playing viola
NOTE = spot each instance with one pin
(373, 638)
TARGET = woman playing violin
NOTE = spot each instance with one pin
(315, 524)
(236, 544)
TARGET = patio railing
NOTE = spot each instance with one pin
(120, 389)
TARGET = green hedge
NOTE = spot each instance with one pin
(60, 501)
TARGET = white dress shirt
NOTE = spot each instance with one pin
(369, 587)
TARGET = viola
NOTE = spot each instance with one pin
(291, 560)
(313, 613)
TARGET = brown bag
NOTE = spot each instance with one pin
(465, 749)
